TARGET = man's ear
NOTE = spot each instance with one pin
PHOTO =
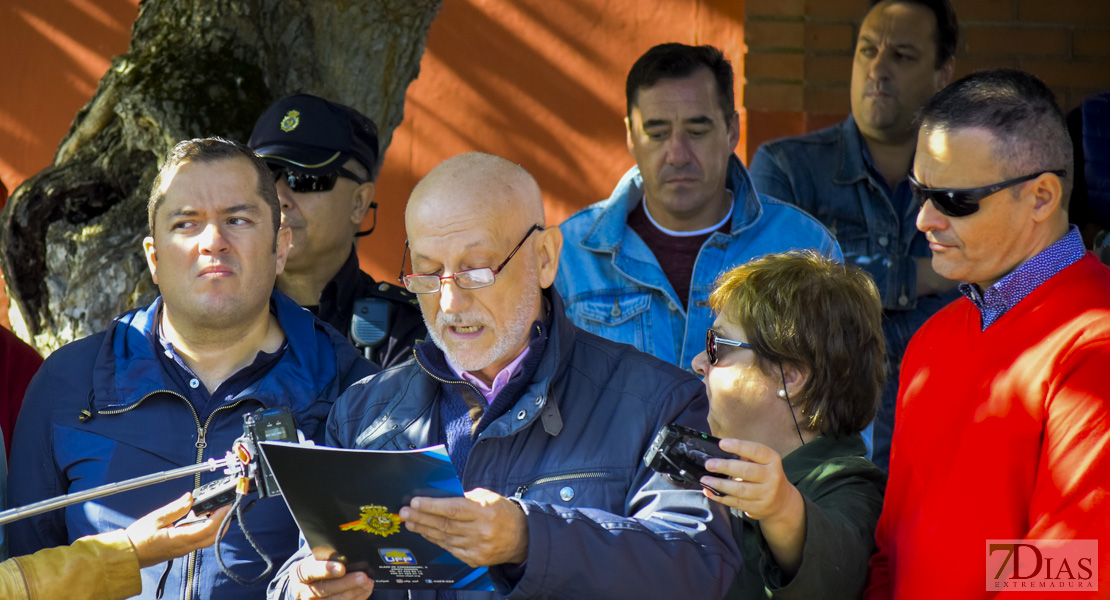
(1048, 196)
(363, 196)
(151, 257)
(943, 76)
(551, 243)
(284, 242)
(628, 134)
(733, 130)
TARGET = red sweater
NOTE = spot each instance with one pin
(18, 364)
(999, 434)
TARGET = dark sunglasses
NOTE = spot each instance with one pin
(711, 341)
(961, 203)
(303, 182)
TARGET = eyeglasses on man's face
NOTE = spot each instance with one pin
(964, 202)
(302, 183)
(470, 279)
(712, 340)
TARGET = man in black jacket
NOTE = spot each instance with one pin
(324, 157)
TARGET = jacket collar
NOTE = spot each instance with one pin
(127, 369)
(607, 233)
(804, 460)
(537, 400)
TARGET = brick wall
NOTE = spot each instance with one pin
(799, 57)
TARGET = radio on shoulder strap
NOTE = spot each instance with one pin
(370, 323)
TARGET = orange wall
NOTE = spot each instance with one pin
(540, 82)
(54, 53)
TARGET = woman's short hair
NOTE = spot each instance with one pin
(802, 309)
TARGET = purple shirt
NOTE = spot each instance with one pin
(499, 382)
(1011, 289)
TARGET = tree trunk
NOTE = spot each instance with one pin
(70, 237)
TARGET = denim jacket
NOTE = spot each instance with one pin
(613, 285)
(824, 174)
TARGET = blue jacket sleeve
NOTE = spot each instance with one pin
(670, 543)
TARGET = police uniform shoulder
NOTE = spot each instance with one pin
(396, 293)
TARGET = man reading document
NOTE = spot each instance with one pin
(544, 423)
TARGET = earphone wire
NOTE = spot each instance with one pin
(790, 405)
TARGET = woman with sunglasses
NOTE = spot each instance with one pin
(793, 368)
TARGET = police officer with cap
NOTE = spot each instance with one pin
(323, 156)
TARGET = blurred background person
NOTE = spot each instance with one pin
(793, 368)
(853, 176)
(638, 267)
(18, 364)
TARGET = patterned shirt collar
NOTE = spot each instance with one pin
(1013, 288)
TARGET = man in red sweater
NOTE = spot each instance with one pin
(1003, 422)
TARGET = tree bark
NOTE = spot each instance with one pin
(70, 237)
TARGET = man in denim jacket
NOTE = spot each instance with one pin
(638, 267)
(852, 176)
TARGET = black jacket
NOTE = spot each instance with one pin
(405, 324)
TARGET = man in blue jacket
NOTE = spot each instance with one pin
(544, 423)
(852, 176)
(638, 268)
(167, 385)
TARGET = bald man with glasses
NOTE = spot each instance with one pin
(544, 423)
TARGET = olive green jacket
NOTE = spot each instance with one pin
(843, 495)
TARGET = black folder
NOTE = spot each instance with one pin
(346, 503)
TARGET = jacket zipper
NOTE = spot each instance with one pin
(140, 401)
(442, 380)
(201, 444)
(553, 478)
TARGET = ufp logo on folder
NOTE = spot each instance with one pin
(397, 556)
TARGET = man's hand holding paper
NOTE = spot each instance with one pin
(481, 529)
(315, 579)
